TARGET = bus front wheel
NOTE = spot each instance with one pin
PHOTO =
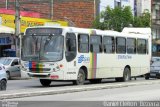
(45, 82)
(80, 78)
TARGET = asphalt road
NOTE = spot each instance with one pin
(95, 98)
(34, 83)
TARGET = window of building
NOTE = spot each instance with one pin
(121, 45)
(83, 43)
(141, 46)
(131, 45)
(96, 43)
(108, 44)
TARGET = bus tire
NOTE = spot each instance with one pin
(94, 81)
(146, 76)
(80, 78)
(126, 75)
(45, 82)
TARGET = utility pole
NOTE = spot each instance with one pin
(51, 16)
(17, 25)
(6, 4)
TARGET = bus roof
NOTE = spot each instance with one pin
(145, 31)
(128, 32)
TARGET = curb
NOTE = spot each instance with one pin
(44, 91)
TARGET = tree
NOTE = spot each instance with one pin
(142, 21)
(118, 18)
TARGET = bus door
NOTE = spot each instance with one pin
(70, 54)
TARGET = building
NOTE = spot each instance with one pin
(114, 3)
(137, 6)
(156, 27)
(143, 6)
(78, 13)
(156, 19)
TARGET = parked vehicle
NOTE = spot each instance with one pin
(154, 68)
(12, 66)
(3, 78)
(155, 59)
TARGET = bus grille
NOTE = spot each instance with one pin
(39, 70)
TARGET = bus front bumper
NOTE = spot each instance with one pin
(39, 75)
(44, 76)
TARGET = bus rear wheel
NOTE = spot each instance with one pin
(80, 78)
(45, 82)
(146, 76)
(126, 76)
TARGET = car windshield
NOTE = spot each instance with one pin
(42, 48)
(5, 61)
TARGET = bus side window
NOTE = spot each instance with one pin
(70, 47)
(96, 43)
(121, 45)
(141, 46)
(108, 43)
(83, 43)
(131, 46)
(147, 45)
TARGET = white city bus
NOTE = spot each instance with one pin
(78, 54)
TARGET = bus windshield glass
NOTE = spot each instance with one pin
(42, 48)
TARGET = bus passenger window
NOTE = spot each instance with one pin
(83, 43)
(147, 46)
(96, 43)
(108, 43)
(121, 45)
(131, 46)
(141, 46)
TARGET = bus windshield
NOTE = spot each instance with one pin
(42, 48)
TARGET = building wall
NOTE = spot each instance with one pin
(80, 13)
(156, 19)
(155, 6)
(142, 6)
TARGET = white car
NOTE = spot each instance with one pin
(12, 66)
(3, 78)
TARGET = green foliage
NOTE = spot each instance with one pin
(118, 18)
(142, 21)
